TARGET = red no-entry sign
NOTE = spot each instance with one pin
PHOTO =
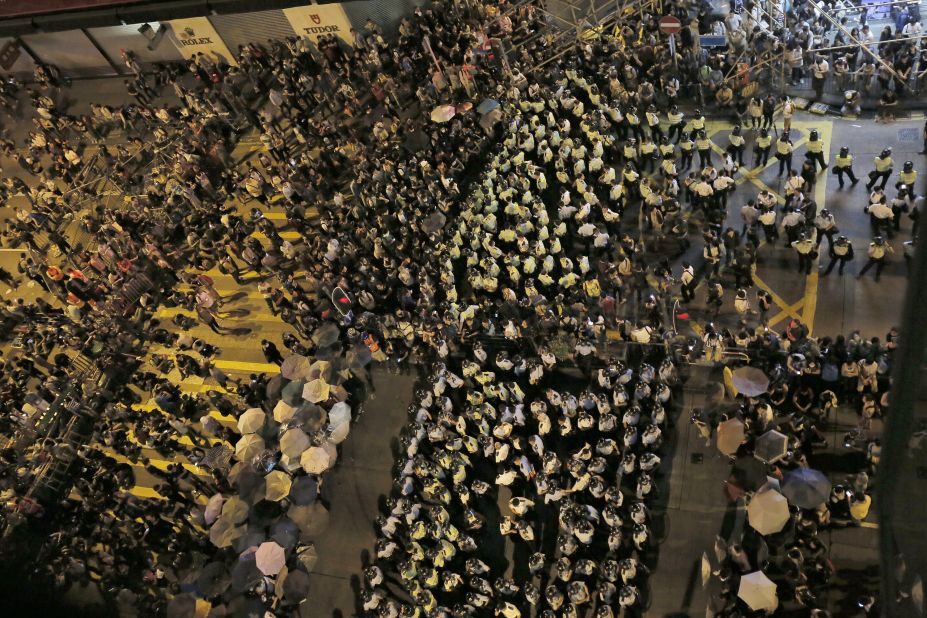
(670, 24)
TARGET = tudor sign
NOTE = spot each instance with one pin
(670, 24)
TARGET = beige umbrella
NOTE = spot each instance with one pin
(315, 460)
(768, 512)
(251, 421)
(249, 447)
(339, 433)
(213, 508)
(730, 436)
(307, 556)
(295, 367)
(270, 558)
(443, 113)
(290, 464)
(339, 392)
(758, 592)
(283, 411)
(320, 369)
(332, 451)
(294, 442)
(316, 391)
(235, 510)
(277, 485)
(223, 533)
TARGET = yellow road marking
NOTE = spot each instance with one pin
(868, 524)
(778, 300)
(820, 194)
(292, 235)
(782, 315)
(255, 316)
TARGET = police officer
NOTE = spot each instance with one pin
(804, 247)
(768, 221)
(687, 282)
(841, 251)
(737, 146)
(648, 155)
(703, 146)
(676, 122)
(630, 152)
(843, 164)
(878, 250)
(883, 169)
(762, 147)
(634, 123)
(653, 122)
(908, 175)
(816, 150)
(784, 153)
(697, 123)
(687, 148)
(826, 225)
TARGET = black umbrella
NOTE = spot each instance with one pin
(274, 388)
(326, 335)
(416, 141)
(254, 535)
(359, 356)
(250, 485)
(304, 490)
(285, 532)
(245, 574)
(181, 606)
(246, 607)
(749, 473)
(265, 512)
(296, 587)
(213, 580)
(328, 352)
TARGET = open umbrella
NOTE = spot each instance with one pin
(488, 121)
(310, 417)
(315, 460)
(295, 367)
(223, 533)
(466, 106)
(805, 488)
(730, 436)
(768, 512)
(340, 413)
(338, 393)
(285, 532)
(416, 140)
(326, 335)
(771, 446)
(277, 485)
(339, 433)
(292, 393)
(235, 510)
(359, 356)
(284, 411)
(748, 473)
(181, 606)
(750, 381)
(307, 556)
(311, 519)
(434, 222)
(251, 421)
(250, 540)
(250, 446)
(250, 485)
(758, 592)
(270, 558)
(294, 442)
(443, 113)
(245, 574)
(321, 369)
(487, 106)
(274, 387)
(213, 580)
(304, 490)
(316, 391)
(296, 586)
(213, 508)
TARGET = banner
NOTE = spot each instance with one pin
(196, 35)
(318, 19)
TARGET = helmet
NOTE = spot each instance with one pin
(841, 239)
(698, 113)
(886, 152)
(908, 166)
(701, 133)
(736, 130)
(878, 240)
(651, 108)
(814, 135)
(674, 109)
(844, 151)
(664, 140)
(825, 212)
(764, 132)
(684, 135)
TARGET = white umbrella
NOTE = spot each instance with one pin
(251, 421)
(283, 411)
(320, 369)
(332, 451)
(235, 510)
(758, 592)
(340, 413)
(339, 433)
(750, 381)
(213, 508)
(315, 460)
(730, 436)
(248, 447)
(277, 486)
(443, 113)
(270, 558)
(768, 512)
(316, 391)
(294, 442)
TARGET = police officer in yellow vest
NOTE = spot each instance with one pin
(784, 153)
(843, 164)
(703, 146)
(816, 150)
(883, 169)
(804, 247)
(761, 148)
(634, 123)
(687, 148)
(737, 146)
(908, 175)
(878, 250)
(653, 122)
(676, 122)
(841, 251)
(697, 123)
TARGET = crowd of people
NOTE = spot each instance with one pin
(557, 212)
